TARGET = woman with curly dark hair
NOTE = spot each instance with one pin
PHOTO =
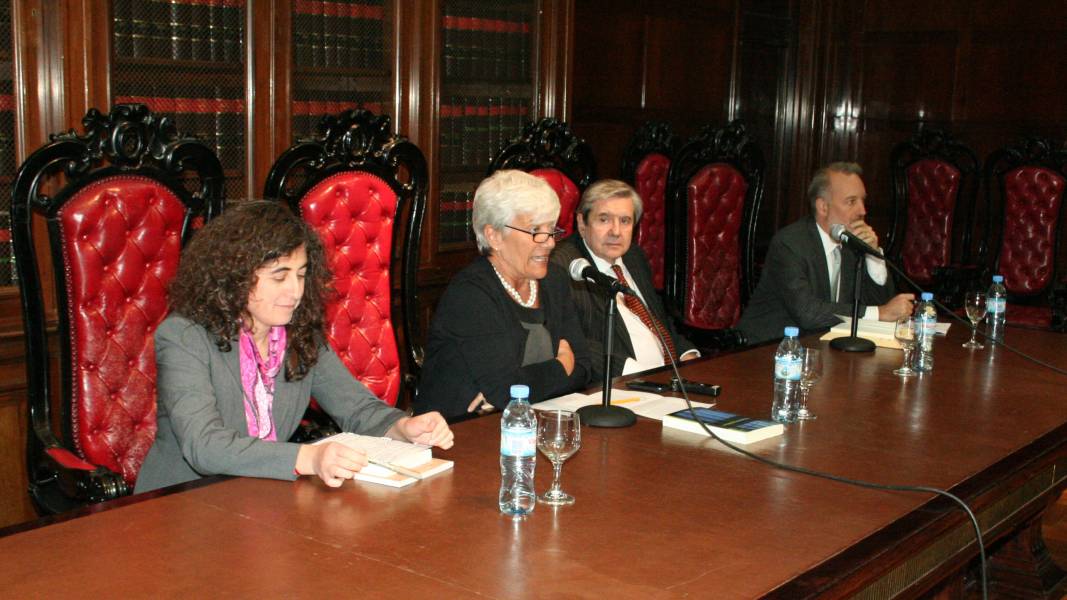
(242, 352)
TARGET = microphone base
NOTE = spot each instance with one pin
(607, 416)
(852, 344)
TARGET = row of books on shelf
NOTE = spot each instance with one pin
(455, 217)
(495, 45)
(218, 122)
(338, 35)
(202, 30)
(473, 130)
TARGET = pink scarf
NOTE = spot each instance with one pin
(257, 379)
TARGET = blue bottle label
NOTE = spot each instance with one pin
(787, 368)
(996, 306)
(521, 442)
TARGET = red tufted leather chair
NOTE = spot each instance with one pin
(645, 164)
(714, 189)
(935, 182)
(363, 189)
(116, 226)
(1025, 184)
(550, 151)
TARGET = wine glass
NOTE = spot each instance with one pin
(811, 372)
(906, 332)
(559, 435)
(976, 309)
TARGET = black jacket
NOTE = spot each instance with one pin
(591, 302)
(794, 288)
(476, 344)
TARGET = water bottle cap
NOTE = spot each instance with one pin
(520, 391)
(792, 332)
(927, 296)
(998, 279)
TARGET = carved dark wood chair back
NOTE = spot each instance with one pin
(646, 161)
(1025, 185)
(363, 189)
(119, 201)
(714, 191)
(549, 150)
(935, 184)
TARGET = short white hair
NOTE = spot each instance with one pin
(507, 194)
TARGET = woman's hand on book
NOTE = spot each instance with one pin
(429, 429)
(333, 463)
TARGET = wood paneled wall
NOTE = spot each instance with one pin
(821, 80)
(816, 80)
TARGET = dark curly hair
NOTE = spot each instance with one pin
(218, 271)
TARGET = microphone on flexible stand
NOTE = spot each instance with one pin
(854, 343)
(581, 270)
(604, 415)
(841, 234)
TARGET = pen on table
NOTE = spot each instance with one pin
(395, 468)
(625, 400)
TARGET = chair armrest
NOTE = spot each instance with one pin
(79, 481)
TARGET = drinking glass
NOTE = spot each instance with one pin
(976, 309)
(906, 332)
(809, 374)
(559, 435)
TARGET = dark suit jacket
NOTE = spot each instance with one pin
(476, 344)
(794, 288)
(201, 416)
(591, 301)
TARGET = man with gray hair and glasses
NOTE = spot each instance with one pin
(808, 278)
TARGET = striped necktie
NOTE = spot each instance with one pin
(653, 324)
(835, 274)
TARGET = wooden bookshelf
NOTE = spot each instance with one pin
(186, 59)
(488, 85)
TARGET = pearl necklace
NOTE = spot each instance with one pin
(514, 293)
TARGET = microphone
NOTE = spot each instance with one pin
(581, 270)
(840, 233)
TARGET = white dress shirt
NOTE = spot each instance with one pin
(647, 354)
(875, 268)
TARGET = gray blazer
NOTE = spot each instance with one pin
(202, 428)
(794, 288)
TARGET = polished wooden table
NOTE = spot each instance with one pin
(659, 513)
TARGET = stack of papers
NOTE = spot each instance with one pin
(393, 463)
(879, 332)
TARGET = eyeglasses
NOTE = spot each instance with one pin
(540, 237)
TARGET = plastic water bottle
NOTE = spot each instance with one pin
(996, 307)
(788, 364)
(518, 454)
(926, 322)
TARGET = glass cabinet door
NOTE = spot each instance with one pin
(488, 92)
(186, 59)
(341, 57)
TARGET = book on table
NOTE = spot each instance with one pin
(392, 462)
(728, 426)
(879, 332)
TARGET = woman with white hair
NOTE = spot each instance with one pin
(508, 317)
